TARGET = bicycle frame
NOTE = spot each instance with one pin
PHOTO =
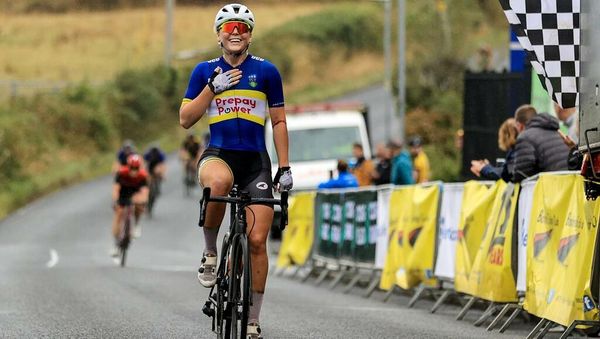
(220, 304)
(125, 232)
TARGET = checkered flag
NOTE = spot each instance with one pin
(549, 31)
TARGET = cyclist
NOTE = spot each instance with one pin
(155, 162)
(131, 186)
(189, 153)
(237, 90)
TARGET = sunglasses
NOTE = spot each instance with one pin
(230, 26)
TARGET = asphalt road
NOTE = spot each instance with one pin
(57, 281)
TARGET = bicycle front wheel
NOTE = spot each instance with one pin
(240, 291)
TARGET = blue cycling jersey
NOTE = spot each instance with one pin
(237, 116)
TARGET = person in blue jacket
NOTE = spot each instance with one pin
(402, 168)
(345, 179)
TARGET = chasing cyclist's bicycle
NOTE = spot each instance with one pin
(230, 298)
(125, 234)
(189, 179)
(154, 192)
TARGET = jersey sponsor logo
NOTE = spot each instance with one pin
(262, 185)
(257, 58)
(213, 60)
(235, 105)
(252, 80)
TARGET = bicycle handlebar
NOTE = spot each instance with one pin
(244, 201)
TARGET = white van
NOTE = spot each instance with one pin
(319, 135)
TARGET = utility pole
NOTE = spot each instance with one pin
(401, 66)
(387, 51)
(169, 31)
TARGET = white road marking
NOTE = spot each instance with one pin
(53, 258)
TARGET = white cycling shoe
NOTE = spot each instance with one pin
(253, 331)
(137, 231)
(207, 273)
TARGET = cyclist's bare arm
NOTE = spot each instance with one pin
(192, 111)
(280, 134)
(160, 170)
(115, 192)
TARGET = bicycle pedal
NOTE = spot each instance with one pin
(208, 310)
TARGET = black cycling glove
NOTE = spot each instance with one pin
(283, 179)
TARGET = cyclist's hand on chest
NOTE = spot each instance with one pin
(220, 82)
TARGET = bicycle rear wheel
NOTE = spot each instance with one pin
(239, 291)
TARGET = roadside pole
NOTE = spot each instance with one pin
(169, 31)
(401, 67)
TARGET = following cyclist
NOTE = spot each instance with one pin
(155, 163)
(189, 153)
(237, 90)
(130, 187)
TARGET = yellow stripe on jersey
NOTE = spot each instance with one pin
(242, 93)
(249, 117)
(252, 118)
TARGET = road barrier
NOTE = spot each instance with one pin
(528, 246)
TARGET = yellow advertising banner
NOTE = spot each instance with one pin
(411, 236)
(477, 204)
(298, 236)
(491, 276)
(560, 246)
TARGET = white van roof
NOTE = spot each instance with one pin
(324, 119)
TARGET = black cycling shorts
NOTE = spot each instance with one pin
(251, 170)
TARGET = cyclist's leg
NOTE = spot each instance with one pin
(259, 219)
(139, 201)
(213, 172)
(117, 221)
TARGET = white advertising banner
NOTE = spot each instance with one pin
(524, 215)
(383, 223)
(448, 230)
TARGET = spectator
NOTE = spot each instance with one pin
(364, 167)
(421, 169)
(507, 138)
(401, 173)
(570, 121)
(345, 179)
(539, 147)
(381, 174)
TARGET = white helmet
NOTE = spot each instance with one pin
(234, 12)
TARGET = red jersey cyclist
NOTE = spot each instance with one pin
(130, 187)
(236, 91)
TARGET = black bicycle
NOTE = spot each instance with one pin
(189, 179)
(125, 233)
(155, 181)
(230, 299)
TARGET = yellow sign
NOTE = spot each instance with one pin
(560, 246)
(411, 236)
(298, 236)
(477, 204)
(491, 276)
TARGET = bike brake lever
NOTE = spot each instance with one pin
(203, 206)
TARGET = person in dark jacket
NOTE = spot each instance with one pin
(539, 147)
(345, 179)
